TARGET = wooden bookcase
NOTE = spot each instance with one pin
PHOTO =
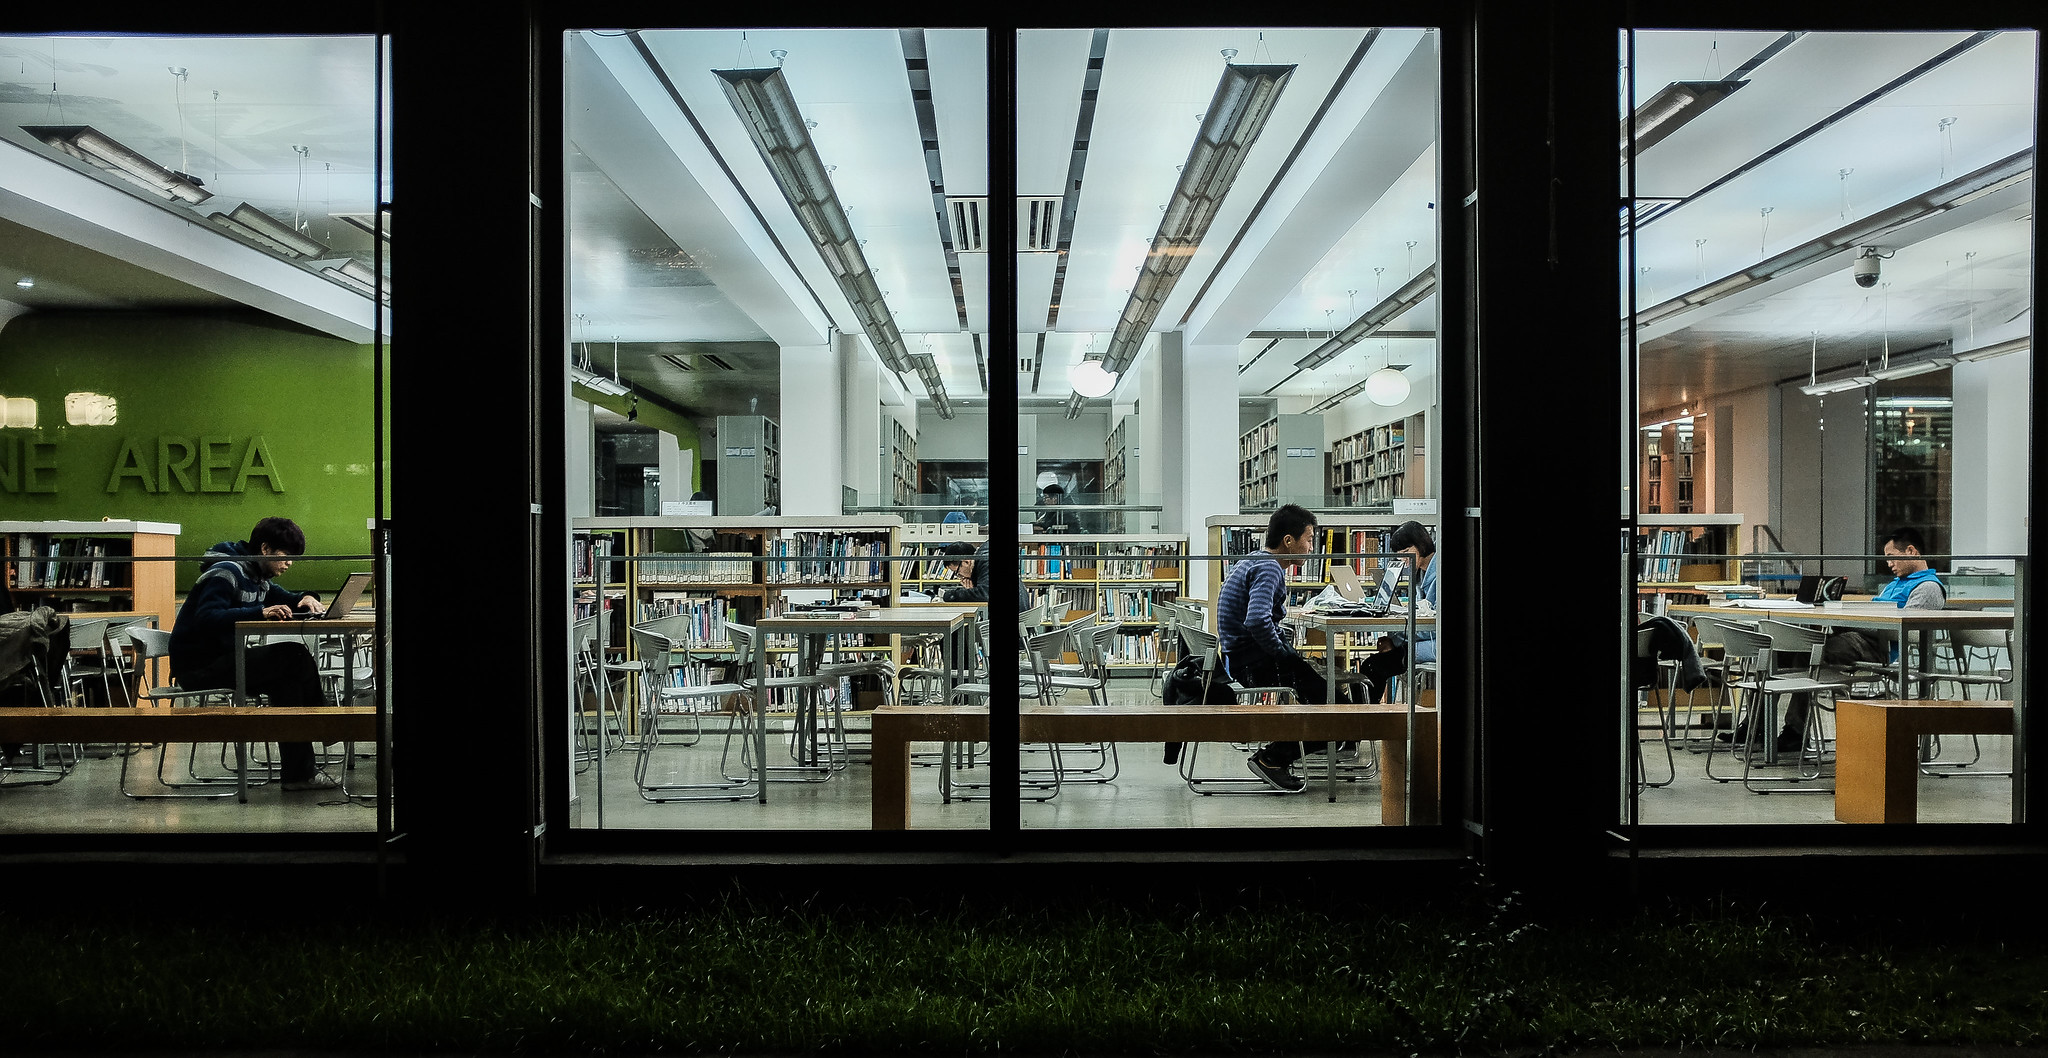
(1664, 543)
(1119, 469)
(927, 538)
(1378, 464)
(902, 463)
(1117, 575)
(75, 578)
(1280, 461)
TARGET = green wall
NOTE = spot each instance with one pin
(239, 400)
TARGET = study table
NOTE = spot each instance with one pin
(263, 631)
(952, 624)
(1883, 618)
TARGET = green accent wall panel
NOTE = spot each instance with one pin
(217, 421)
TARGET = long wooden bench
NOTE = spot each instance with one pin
(240, 725)
(896, 727)
(1877, 751)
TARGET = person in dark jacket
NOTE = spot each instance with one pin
(971, 565)
(235, 585)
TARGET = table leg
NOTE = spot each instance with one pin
(241, 771)
(1401, 772)
(1877, 768)
(890, 769)
(761, 718)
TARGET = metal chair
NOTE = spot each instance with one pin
(1967, 646)
(152, 645)
(1664, 721)
(818, 755)
(1757, 714)
(1204, 643)
(663, 694)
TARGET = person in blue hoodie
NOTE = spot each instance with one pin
(235, 584)
(1915, 586)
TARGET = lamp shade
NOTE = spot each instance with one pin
(1386, 387)
(1090, 380)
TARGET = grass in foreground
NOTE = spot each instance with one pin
(741, 977)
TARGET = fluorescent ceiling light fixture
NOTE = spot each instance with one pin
(18, 413)
(927, 369)
(1671, 108)
(610, 387)
(1089, 379)
(2007, 172)
(1898, 403)
(95, 148)
(1916, 367)
(1986, 352)
(271, 232)
(1244, 100)
(90, 409)
(1411, 294)
(26, 283)
(762, 99)
(1840, 385)
(1386, 387)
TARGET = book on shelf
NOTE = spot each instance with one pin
(710, 567)
(828, 557)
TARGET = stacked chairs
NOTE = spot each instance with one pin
(661, 695)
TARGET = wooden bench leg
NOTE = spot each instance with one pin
(1877, 766)
(889, 767)
(1394, 775)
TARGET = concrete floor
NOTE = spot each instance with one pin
(1146, 793)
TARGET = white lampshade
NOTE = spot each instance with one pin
(1090, 380)
(1386, 387)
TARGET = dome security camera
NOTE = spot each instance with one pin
(1868, 262)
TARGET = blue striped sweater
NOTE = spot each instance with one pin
(1250, 605)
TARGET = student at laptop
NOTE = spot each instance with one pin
(235, 585)
(971, 565)
(1408, 538)
(1915, 586)
(1249, 608)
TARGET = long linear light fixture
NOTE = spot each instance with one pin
(1671, 108)
(1387, 311)
(1997, 176)
(765, 106)
(928, 372)
(1244, 100)
(601, 383)
(97, 149)
(1986, 352)
(1904, 365)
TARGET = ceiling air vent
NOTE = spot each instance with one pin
(717, 361)
(1038, 224)
(965, 215)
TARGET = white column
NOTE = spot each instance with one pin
(580, 459)
(812, 420)
(861, 420)
(1207, 441)
(1990, 456)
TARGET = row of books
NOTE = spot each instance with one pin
(589, 553)
(65, 562)
(828, 557)
(1138, 561)
(702, 621)
(1655, 547)
(1059, 599)
(711, 567)
(1133, 650)
(1134, 604)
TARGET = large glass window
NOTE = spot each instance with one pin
(777, 392)
(195, 309)
(1827, 250)
(1226, 306)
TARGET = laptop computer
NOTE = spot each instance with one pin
(1346, 582)
(346, 599)
(1809, 587)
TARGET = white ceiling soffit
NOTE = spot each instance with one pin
(855, 85)
(623, 120)
(1052, 72)
(1381, 126)
(40, 192)
(1155, 87)
(958, 62)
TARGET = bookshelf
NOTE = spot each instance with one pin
(756, 564)
(902, 462)
(1375, 465)
(1280, 461)
(749, 465)
(62, 565)
(927, 538)
(1665, 540)
(1119, 469)
(1120, 576)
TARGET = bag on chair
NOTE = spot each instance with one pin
(1183, 686)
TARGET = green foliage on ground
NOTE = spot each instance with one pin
(740, 976)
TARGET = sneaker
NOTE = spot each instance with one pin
(320, 780)
(1278, 778)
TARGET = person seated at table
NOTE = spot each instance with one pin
(235, 584)
(1249, 609)
(1915, 585)
(1391, 661)
(1053, 520)
(970, 563)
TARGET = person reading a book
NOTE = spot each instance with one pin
(1391, 660)
(1915, 585)
(236, 584)
(970, 564)
(1249, 608)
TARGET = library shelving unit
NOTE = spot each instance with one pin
(927, 538)
(1119, 469)
(62, 565)
(1119, 576)
(1280, 461)
(902, 463)
(1357, 541)
(1375, 464)
(749, 465)
(732, 584)
(1665, 542)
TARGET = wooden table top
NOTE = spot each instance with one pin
(308, 625)
(879, 620)
(1881, 615)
